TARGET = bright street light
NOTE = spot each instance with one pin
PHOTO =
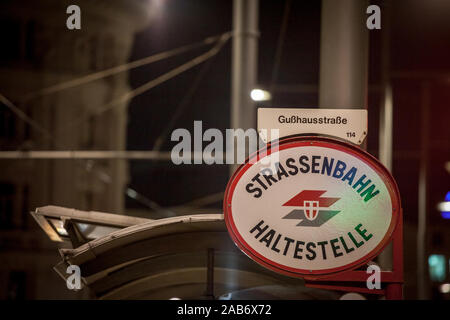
(260, 95)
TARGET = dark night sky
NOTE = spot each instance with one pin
(419, 42)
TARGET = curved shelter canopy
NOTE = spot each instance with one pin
(186, 257)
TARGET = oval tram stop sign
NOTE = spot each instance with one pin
(323, 207)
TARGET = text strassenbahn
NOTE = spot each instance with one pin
(315, 164)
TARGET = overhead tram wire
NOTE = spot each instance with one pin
(139, 90)
(126, 97)
(102, 175)
(98, 75)
(116, 103)
(121, 68)
(221, 40)
(24, 117)
(184, 103)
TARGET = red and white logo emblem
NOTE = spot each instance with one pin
(311, 209)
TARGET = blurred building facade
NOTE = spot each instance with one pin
(38, 51)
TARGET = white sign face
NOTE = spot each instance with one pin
(325, 207)
(347, 124)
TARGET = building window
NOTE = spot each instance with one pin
(30, 41)
(10, 33)
(16, 289)
(25, 207)
(7, 191)
(7, 123)
(14, 206)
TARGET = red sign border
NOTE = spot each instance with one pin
(298, 141)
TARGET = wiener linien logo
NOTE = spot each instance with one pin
(311, 208)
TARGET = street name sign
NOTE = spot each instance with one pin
(325, 206)
(347, 124)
